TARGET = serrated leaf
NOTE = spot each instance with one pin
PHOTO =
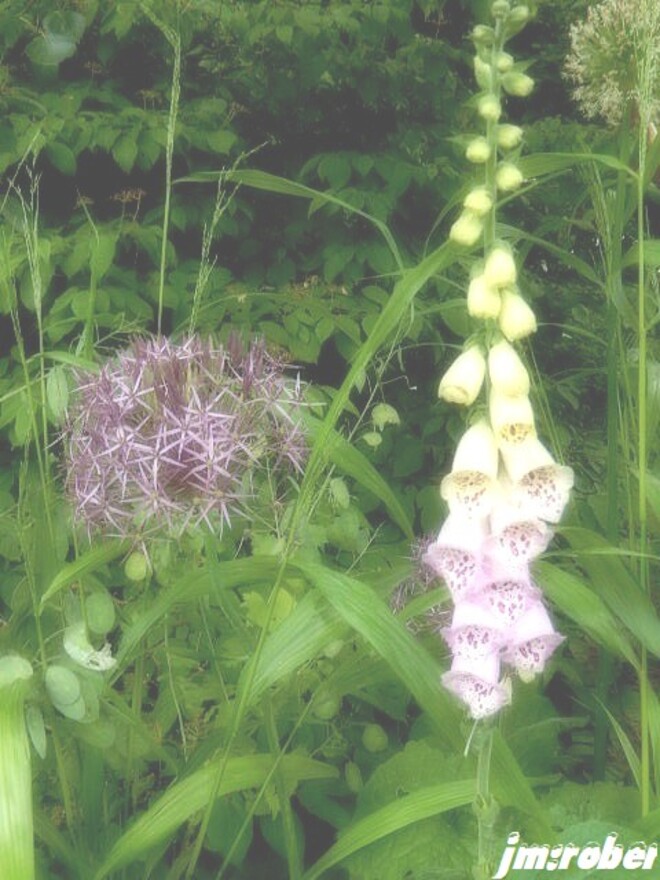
(57, 392)
(62, 158)
(103, 254)
(125, 152)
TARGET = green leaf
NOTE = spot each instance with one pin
(585, 607)
(190, 795)
(352, 462)
(651, 254)
(125, 152)
(34, 721)
(541, 164)
(89, 561)
(404, 811)
(63, 686)
(619, 590)
(57, 392)
(336, 170)
(100, 612)
(103, 254)
(272, 183)
(367, 614)
(62, 158)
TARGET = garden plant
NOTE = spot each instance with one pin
(329, 426)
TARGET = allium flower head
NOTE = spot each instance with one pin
(614, 61)
(167, 435)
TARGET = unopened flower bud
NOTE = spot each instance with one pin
(500, 8)
(508, 177)
(466, 230)
(483, 34)
(516, 318)
(518, 84)
(507, 372)
(478, 151)
(500, 269)
(519, 15)
(483, 301)
(483, 73)
(504, 62)
(479, 201)
(463, 380)
(509, 136)
(489, 108)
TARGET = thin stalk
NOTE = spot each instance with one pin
(642, 469)
(484, 807)
(174, 39)
(293, 855)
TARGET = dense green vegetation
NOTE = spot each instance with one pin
(291, 171)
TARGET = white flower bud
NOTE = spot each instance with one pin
(509, 136)
(489, 108)
(500, 8)
(504, 62)
(484, 34)
(508, 177)
(478, 151)
(463, 380)
(483, 301)
(500, 270)
(512, 418)
(466, 230)
(519, 15)
(483, 73)
(507, 372)
(479, 201)
(518, 84)
(516, 318)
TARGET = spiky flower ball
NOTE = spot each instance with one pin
(168, 436)
(614, 63)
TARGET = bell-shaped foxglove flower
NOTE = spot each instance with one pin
(457, 554)
(463, 380)
(508, 375)
(507, 598)
(516, 537)
(476, 683)
(474, 632)
(516, 318)
(532, 640)
(483, 301)
(471, 487)
(512, 419)
(541, 485)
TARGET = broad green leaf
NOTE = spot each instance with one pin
(57, 392)
(125, 152)
(628, 749)
(351, 461)
(367, 614)
(272, 183)
(62, 158)
(616, 585)
(306, 632)
(63, 686)
(190, 795)
(414, 807)
(34, 722)
(585, 607)
(540, 164)
(103, 254)
(651, 254)
(86, 563)
(100, 612)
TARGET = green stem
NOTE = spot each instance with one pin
(642, 468)
(291, 843)
(485, 808)
(16, 823)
